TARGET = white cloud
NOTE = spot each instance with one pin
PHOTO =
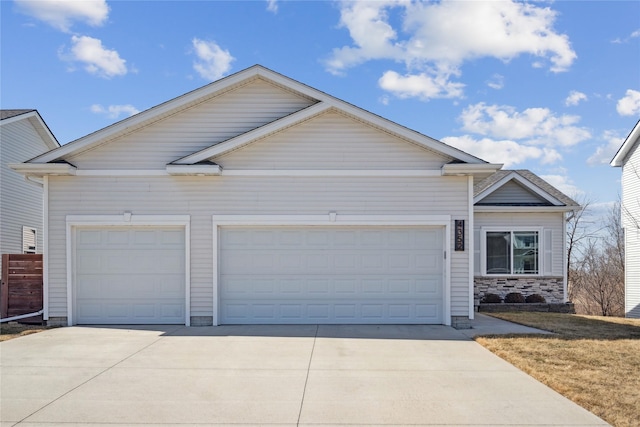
(213, 62)
(496, 82)
(535, 125)
(420, 86)
(272, 6)
(96, 58)
(604, 153)
(564, 184)
(61, 14)
(629, 105)
(434, 39)
(508, 152)
(575, 98)
(115, 111)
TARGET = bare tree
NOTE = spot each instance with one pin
(579, 231)
(598, 273)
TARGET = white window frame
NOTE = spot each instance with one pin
(26, 229)
(483, 249)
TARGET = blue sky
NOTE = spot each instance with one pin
(553, 87)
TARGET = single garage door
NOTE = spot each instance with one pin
(130, 275)
(331, 275)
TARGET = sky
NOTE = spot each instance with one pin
(549, 86)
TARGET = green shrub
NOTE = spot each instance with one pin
(491, 299)
(514, 298)
(535, 298)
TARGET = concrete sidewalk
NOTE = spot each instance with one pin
(276, 375)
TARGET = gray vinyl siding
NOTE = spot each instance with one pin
(199, 127)
(332, 141)
(20, 201)
(202, 197)
(631, 224)
(553, 236)
(512, 192)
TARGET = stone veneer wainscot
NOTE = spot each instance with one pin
(551, 288)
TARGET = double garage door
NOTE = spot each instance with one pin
(267, 275)
(331, 275)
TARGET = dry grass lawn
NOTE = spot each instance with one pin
(594, 361)
(12, 330)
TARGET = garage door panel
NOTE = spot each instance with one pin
(130, 276)
(331, 275)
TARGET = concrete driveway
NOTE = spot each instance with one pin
(275, 375)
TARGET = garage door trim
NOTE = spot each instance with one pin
(331, 219)
(126, 220)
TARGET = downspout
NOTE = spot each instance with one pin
(471, 250)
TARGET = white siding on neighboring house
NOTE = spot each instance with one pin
(194, 129)
(202, 197)
(20, 201)
(631, 224)
(332, 141)
(552, 237)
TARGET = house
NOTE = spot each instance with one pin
(258, 199)
(23, 135)
(628, 158)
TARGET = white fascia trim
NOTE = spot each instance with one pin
(619, 159)
(483, 250)
(248, 137)
(125, 220)
(193, 170)
(122, 172)
(333, 219)
(477, 208)
(469, 168)
(525, 182)
(333, 172)
(42, 169)
(133, 122)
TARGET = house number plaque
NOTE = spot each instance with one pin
(459, 227)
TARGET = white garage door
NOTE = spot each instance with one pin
(331, 275)
(130, 276)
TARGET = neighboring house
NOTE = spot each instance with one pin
(23, 135)
(628, 157)
(258, 199)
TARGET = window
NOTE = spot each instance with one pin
(512, 252)
(28, 240)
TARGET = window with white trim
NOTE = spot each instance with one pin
(511, 252)
(29, 240)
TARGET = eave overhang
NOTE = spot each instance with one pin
(462, 169)
(194, 170)
(628, 144)
(488, 208)
(43, 169)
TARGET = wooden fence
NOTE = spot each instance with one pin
(21, 287)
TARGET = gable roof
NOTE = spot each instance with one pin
(322, 102)
(627, 146)
(10, 116)
(528, 180)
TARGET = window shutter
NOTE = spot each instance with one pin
(547, 264)
(28, 240)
